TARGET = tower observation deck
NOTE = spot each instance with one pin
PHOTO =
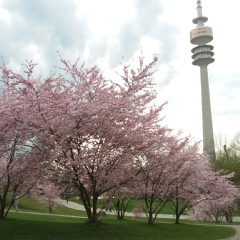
(202, 56)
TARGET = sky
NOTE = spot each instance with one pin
(105, 32)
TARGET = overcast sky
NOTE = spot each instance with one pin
(106, 31)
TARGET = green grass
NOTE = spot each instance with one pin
(30, 205)
(28, 226)
(134, 203)
(20, 226)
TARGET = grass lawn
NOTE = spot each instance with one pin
(24, 226)
(166, 209)
(131, 206)
(30, 205)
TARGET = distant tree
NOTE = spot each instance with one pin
(219, 202)
(228, 159)
(138, 211)
(120, 198)
(48, 194)
(192, 183)
(235, 144)
(160, 170)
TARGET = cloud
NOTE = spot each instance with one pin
(45, 25)
(37, 29)
(148, 21)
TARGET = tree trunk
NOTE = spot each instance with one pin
(120, 209)
(176, 212)
(150, 217)
(90, 206)
(177, 218)
(95, 214)
(149, 206)
(1, 207)
(1, 210)
(3, 204)
(117, 207)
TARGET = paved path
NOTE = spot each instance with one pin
(77, 206)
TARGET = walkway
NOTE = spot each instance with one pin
(77, 206)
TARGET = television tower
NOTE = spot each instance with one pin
(202, 56)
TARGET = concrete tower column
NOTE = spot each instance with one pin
(208, 140)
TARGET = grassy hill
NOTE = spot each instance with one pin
(23, 226)
(26, 204)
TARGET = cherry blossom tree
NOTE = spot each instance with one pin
(19, 162)
(193, 181)
(90, 128)
(159, 167)
(138, 211)
(120, 197)
(213, 210)
(18, 172)
(219, 202)
(48, 194)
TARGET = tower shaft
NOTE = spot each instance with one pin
(208, 140)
